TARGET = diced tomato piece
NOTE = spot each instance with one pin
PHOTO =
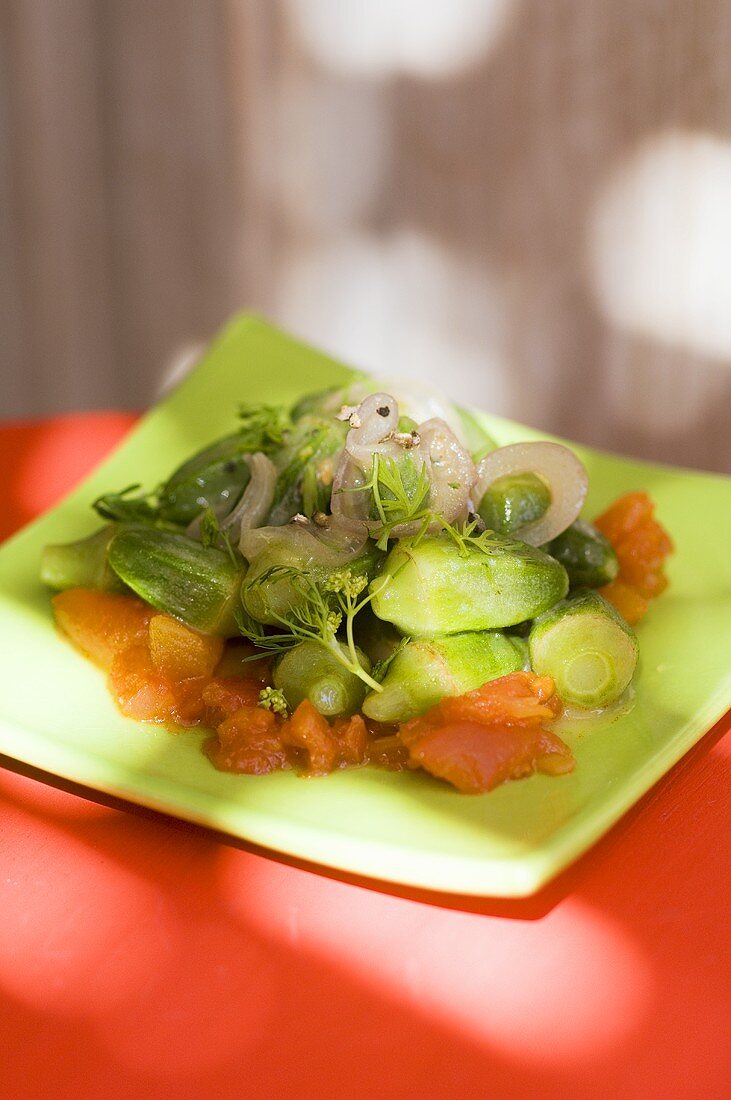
(179, 652)
(143, 693)
(641, 545)
(520, 698)
(101, 624)
(351, 736)
(642, 557)
(624, 516)
(476, 758)
(223, 696)
(250, 742)
(388, 752)
(485, 737)
(627, 600)
(309, 731)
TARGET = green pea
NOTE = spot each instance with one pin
(512, 501)
(588, 649)
(424, 671)
(433, 586)
(310, 671)
(586, 555)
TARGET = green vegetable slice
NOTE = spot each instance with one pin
(197, 584)
(445, 585)
(425, 670)
(588, 649)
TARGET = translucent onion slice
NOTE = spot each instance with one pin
(257, 497)
(563, 473)
(373, 423)
(449, 466)
(255, 501)
(452, 469)
(330, 545)
(372, 427)
(347, 505)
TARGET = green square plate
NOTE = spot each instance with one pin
(55, 712)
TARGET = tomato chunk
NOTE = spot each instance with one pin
(179, 652)
(351, 736)
(142, 692)
(627, 600)
(642, 546)
(483, 738)
(476, 758)
(309, 731)
(224, 695)
(249, 742)
(101, 624)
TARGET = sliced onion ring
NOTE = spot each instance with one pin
(563, 473)
(451, 466)
(330, 545)
(435, 448)
(253, 508)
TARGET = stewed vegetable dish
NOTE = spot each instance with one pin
(365, 579)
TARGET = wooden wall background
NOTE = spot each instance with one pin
(528, 201)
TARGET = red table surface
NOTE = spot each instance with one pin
(142, 956)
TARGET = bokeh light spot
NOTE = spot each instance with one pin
(435, 38)
(660, 241)
(401, 305)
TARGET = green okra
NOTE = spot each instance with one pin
(425, 670)
(216, 476)
(435, 586)
(81, 564)
(269, 599)
(197, 584)
(588, 649)
(310, 671)
(586, 555)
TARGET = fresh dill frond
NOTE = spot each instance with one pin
(317, 613)
(469, 536)
(263, 426)
(273, 699)
(399, 491)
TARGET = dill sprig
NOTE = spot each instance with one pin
(263, 426)
(318, 612)
(395, 498)
(273, 699)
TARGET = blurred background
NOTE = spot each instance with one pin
(526, 201)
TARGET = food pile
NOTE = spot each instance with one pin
(366, 578)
